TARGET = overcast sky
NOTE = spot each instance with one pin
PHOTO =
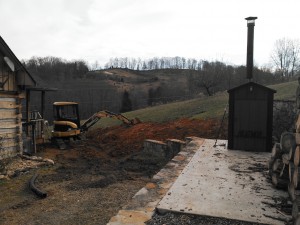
(101, 29)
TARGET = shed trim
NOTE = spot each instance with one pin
(6, 49)
(254, 84)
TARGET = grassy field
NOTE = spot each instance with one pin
(201, 108)
(285, 91)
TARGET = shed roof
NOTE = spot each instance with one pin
(252, 84)
(9, 53)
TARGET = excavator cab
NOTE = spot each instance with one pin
(66, 120)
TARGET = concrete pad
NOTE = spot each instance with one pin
(225, 183)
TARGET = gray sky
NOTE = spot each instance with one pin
(100, 29)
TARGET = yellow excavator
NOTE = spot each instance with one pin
(67, 125)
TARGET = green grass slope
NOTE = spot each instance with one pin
(285, 91)
(200, 108)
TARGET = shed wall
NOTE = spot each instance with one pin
(250, 118)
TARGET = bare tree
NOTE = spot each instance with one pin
(210, 76)
(286, 57)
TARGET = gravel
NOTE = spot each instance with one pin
(185, 219)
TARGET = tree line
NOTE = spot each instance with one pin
(284, 58)
(55, 68)
(154, 63)
(285, 63)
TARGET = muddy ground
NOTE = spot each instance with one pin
(92, 179)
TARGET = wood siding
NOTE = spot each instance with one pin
(10, 126)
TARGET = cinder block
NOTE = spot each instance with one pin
(155, 148)
(174, 146)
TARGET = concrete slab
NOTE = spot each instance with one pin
(224, 183)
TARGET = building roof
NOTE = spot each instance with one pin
(252, 84)
(9, 53)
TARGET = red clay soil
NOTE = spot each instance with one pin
(127, 140)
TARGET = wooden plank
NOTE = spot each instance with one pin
(8, 99)
(270, 165)
(10, 115)
(296, 177)
(12, 95)
(7, 113)
(5, 123)
(293, 193)
(8, 143)
(298, 125)
(4, 131)
(292, 153)
(7, 105)
(276, 151)
(297, 137)
(10, 135)
(9, 126)
(22, 95)
(291, 171)
(297, 156)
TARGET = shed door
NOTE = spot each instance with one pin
(250, 125)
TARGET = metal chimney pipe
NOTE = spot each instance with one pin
(250, 41)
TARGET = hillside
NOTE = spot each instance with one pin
(199, 108)
(105, 89)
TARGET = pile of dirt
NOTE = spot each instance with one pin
(122, 140)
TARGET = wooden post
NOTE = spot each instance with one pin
(27, 109)
(297, 156)
(42, 111)
(33, 136)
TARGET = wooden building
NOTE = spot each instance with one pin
(14, 79)
(250, 117)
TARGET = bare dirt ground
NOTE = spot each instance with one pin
(93, 178)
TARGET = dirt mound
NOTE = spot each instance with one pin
(123, 140)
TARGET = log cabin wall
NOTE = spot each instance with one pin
(10, 113)
(10, 125)
(14, 79)
(250, 118)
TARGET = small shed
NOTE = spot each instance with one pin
(250, 118)
(14, 79)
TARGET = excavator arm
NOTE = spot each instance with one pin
(107, 114)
